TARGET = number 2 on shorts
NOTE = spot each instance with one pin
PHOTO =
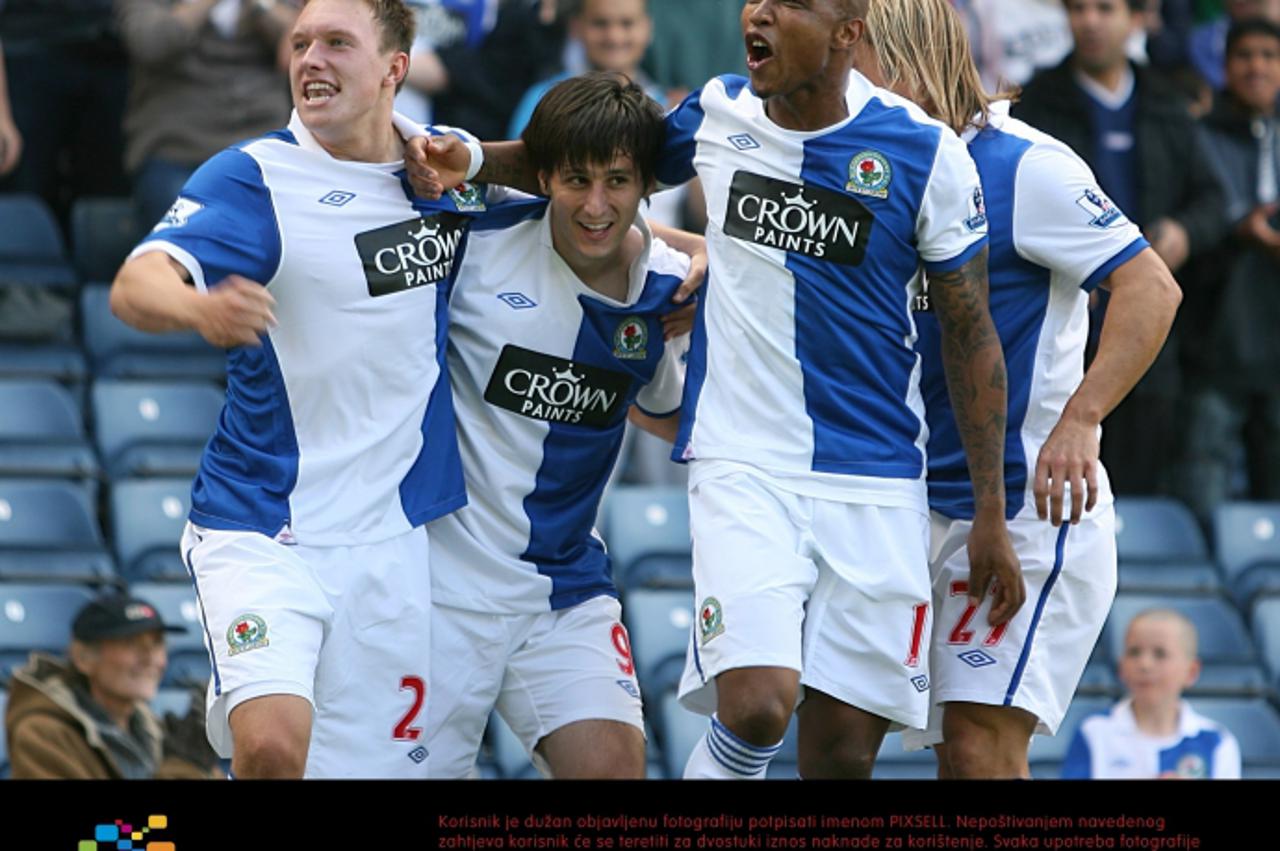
(404, 732)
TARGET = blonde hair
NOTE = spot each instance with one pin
(1187, 635)
(922, 44)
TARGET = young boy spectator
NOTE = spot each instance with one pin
(1153, 732)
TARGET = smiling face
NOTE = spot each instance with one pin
(1253, 71)
(614, 34)
(790, 42)
(592, 208)
(124, 670)
(1101, 30)
(343, 80)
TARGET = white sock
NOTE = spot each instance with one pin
(720, 755)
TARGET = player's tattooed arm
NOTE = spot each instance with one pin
(974, 363)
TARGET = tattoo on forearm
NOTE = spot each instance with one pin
(509, 167)
(975, 369)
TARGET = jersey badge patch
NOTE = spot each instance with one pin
(631, 340)
(869, 174)
(247, 632)
(1102, 213)
(468, 198)
(179, 214)
(710, 619)
(977, 220)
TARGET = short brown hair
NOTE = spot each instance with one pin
(395, 20)
(591, 119)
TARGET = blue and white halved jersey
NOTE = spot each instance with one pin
(336, 431)
(543, 370)
(803, 362)
(1109, 746)
(1054, 237)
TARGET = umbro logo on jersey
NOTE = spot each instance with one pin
(629, 687)
(743, 142)
(555, 390)
(517, 301)
(337, 198)
(921, 682)
(809, 220)
(976, 659)
(413, 253)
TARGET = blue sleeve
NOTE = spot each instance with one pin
(1079, 762)
(224, 220)
(675, 162)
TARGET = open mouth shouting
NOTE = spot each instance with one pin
(759, 51)
(317, 93)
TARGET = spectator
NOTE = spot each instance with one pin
(1014, 38)
(10, 138)
(1232, 353)
(204, 75)
(1208, 45)
(441, 25)
(67, 77)
(1153, 732)
(87, 717)
(1134, 131)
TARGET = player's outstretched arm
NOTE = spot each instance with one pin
(436, 164)
(974, 364)
(1144, 299)
(151, 293)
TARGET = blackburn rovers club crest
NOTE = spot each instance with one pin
(710, 619)
(468, 198)
(247, 632)
(631, 340)
(869, 174)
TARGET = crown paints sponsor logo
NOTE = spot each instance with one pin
(410, 254)
(808, 220)
(555, 390)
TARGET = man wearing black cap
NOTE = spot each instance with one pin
(87, 717)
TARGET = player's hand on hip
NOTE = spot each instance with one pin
(436, 164)
(993, 564)
(1070, 455)
(236, 312)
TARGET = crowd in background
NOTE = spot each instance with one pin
(129, 97)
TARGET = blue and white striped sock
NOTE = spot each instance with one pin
(720, 755)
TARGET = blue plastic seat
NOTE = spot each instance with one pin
(103, 232)
(1265, 618)
(508, 753)
(36, 617)
(647, 530)
(1254, 722)
(119, 351)
(172, 700)
(1157, 529)
(1053, 749)
(56, 362)
(1098, 680)
(147, 517)
(4, 748)
(42, 432)
(1246, 534)
(1170, 577)
(48, 532)
(177, 606)
(153, 429)
(659, 624)
(31, 248)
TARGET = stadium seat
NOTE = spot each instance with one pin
(172, 700)
(42, 432)
(1053, 749)
(1259, 579)
(1246, 534)
(892, 753)
(659, 623)
(147, 517)
(1230, 663)
(680, 731)
(4, 749)
(1157, 529)
(118, 351)
(1099, 679)
(1170, 577)
(1254, 722)
(187, 668)
(103, 232)
(1265, 618)
(647, 530)
(31, 248)
(48, 532)
(153, 429)
(36, 617)
(177, 606)
(65, 363)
